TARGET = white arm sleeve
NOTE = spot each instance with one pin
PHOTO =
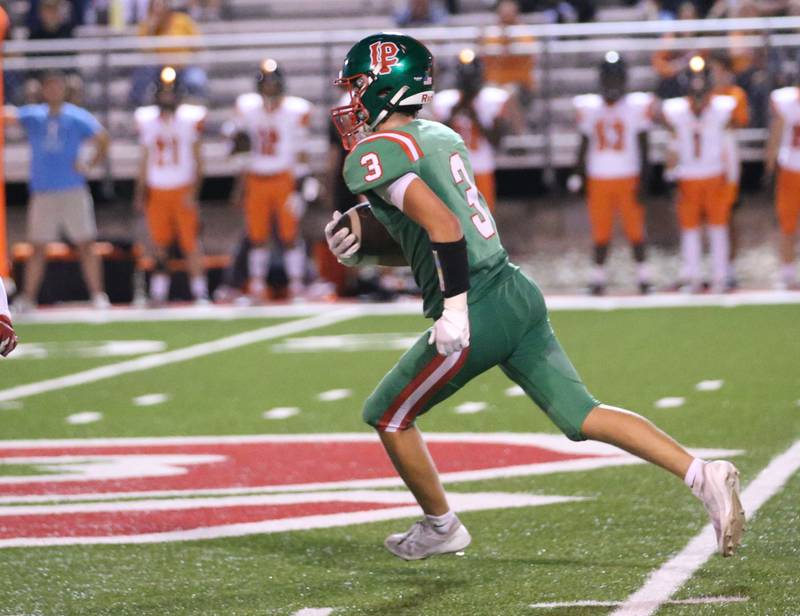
(4, 300)
(395, 192)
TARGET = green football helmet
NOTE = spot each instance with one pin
(382, 73)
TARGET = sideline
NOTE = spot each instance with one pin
(404, 307)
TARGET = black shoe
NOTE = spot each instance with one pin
(597, 290)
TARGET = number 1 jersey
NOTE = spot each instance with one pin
(438, 156)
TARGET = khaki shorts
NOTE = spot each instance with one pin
(61, 213)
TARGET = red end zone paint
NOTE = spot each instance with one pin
(270, 464)
(281, 480)
(107, 524)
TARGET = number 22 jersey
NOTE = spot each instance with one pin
(438, 156)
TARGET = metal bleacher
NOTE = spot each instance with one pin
(310, 37)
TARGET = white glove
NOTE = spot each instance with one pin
(343, 244)
(450, 332)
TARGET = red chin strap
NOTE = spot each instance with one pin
(351, 120)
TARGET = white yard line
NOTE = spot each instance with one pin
(673, 574)
(550, 605)
(408, 307)
(314, 611)
(157, 360)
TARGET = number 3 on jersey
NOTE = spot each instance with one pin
(372, 164)
(481, 219)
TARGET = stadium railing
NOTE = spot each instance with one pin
(566, 57)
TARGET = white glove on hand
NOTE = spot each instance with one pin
(343, 244)
(450, 332)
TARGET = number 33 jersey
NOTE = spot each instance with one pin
(438, 156)
(613, 132)
(169, 141)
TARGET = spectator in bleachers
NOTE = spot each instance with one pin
(74, 11)
(205, 10)
(671, 64)
(60, 204)
(421, 13)
(53, 23)
(734, 8)
(163, 20)
(503, 65)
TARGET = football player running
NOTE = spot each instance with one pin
(275, 126)
(418, 179)
(612, 160)
(8, 337)
(169, 182)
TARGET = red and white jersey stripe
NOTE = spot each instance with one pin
(404, 140)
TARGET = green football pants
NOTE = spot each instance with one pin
(509, 327)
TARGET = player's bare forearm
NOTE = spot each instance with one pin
(773, 141)
(422, 206)
(583, 149)
(102, 143)
(644, 159)
(140, 188)
(198, 173)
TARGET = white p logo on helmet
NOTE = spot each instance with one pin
(383, 56)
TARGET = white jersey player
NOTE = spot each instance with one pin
(8, 338)
(480, 114)
(783, 157)
(613, 160)
(276, 129)
(169, 182)
(699, 124)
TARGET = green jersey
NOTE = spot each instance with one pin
(438, 156)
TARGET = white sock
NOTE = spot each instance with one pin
(598, 275)
(695, 473)
(199, 286)
(643, 273)
(257, 262)
(691, 250)
(720, 254)
(787, 273)
(159, 287)
(295, 260)
(442, 523)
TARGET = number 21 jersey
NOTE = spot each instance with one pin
(438, 156)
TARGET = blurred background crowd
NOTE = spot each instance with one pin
(512, 70)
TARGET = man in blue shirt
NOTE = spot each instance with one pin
(60, 202)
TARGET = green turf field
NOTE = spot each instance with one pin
(630, 521)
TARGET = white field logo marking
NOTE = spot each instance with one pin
(151, 490)
(87, 349)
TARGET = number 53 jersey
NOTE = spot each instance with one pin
(612, 130)
(438, 156)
